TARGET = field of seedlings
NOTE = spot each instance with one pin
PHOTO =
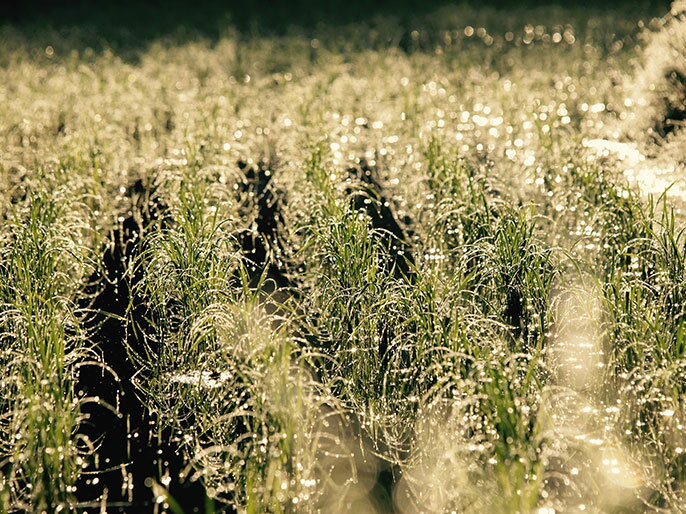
(412, 264)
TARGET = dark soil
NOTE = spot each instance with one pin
(379, 208)
(263, 250)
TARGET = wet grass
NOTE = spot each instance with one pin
(354, 268)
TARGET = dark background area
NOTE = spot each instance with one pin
(140, 21)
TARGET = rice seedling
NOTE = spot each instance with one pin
(47, 256)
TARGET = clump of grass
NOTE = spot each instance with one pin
(645, 301)
(252, 433)
(353, 276)
(507, 268)
(503, 300)
(631, 250)
(478, 446)
(44, 263)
